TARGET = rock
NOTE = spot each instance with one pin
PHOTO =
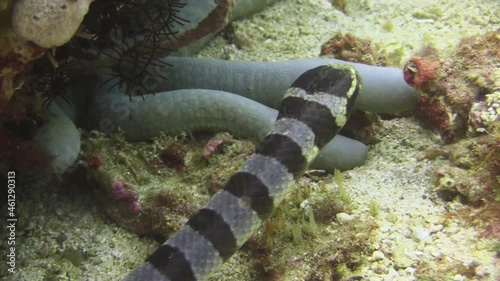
(344, 218)
(437, 254)
(401, 260)
(451, 229)
(410, 270)
(377, 255)
(48, 23)
(420, 233)
(434, 219)
(459, 277)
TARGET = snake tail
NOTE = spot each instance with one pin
(313, 110)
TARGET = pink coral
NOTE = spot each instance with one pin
(135, 207)
(212, 147)
(122, 191)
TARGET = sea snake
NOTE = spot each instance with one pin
(313, 109)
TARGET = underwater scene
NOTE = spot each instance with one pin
(250, 140)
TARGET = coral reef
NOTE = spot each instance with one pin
(460, 99)
(472, 172)
(454, 181)
(460, 92)
(350, 48)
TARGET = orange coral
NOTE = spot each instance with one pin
(419, 71)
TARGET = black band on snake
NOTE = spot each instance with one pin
(313, 110)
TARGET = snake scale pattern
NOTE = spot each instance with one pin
(313, 110)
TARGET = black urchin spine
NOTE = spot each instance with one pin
(130, 34)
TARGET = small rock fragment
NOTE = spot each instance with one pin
(377, 255)
(420, 234)
(344, 218)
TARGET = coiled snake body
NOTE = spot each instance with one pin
(313, 110)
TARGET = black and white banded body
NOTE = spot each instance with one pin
(313, 110)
